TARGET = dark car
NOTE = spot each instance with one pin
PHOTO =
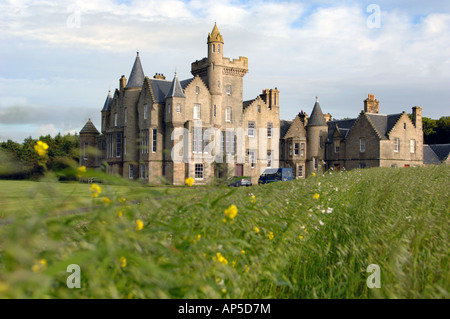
(276, 175)
(240, 181)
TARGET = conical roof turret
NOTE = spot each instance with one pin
(89, 128)
(137, 74)
(317, 118)
(108, 101)
(215, 35)
(175, 89)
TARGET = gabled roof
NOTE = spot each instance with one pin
(137, 74)
(89, 128)
(343, 126)
(161, 88)
(316, 118)
(442, 151)
(383, 124)
(175, 89)
(429, 156)
(284, 127)
(295, 129)
(108, 101)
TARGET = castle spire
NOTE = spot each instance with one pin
(107, 105)
(175, 89)
(215, 35)
(137, 74)
(317, 118)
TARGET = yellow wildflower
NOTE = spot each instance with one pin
(106, 200)
(41, 148)
(256, 229)
(243, 251)
(122, 200)
(316, 196)
(313, 174)
(270, 235)
(233, 264)
(120, 213)
(224, 290)
(81, 170)
(189, 181)
(4, 287)
(221, 259)
(39, 266)
(231, 212)
(224, 220)
(300, 236)
(95, 189)
(123, 262)
(247, 268)
(139, 224)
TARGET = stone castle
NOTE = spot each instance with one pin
(162, 130)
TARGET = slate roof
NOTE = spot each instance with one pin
(284, 127)
(442, 151)
(137, 74)
(316, 118)
(89, 128)
(344, 127)
(161, 88)
(175, 89)
(108, 101)
(383, 123)
(429, 156)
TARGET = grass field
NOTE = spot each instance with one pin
(312, 238)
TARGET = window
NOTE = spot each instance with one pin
(115, 119)
(269, 130)
(362, 145)
(214, 111)
(125, 115)
(290, 149)
(396, 145)
(296, 149)
(228, 114)
(302, 149)
(218, 84)
(412, 146)
(404, 126)
(252, 158)
(251, 129)
(197, 140)
(337, 146)
(197, 111)
(124, 145)
(118, 144)
(362, 165)
(197, 90)
(144, 141)
(142, 171)
(269, 159)
(316, 163)
(228, 89)
(214, 47)
(130, 171)
(85, 156)
(198, 171)
(178, 108)
(154, 140)
(218, 48)
(259, 108)
(300, 171)
(229, 140)
(145, 111)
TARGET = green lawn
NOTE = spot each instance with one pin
(312, 238)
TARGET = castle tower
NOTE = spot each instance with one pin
(215, 71)
(88, 145)
(129, 116)
(316, 134)
(106, 112)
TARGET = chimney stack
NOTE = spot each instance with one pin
(371, 105)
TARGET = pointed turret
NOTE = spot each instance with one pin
(317, 118)
(215, 35)
(137, 74)
(108, 101)
(175, 89)
(89, 128)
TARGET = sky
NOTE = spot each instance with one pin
(58, 59)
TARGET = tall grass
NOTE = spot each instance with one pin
(283, 243)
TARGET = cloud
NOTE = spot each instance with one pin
(60, 72)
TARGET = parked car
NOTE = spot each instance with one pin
(276, 175)
(240, 181)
